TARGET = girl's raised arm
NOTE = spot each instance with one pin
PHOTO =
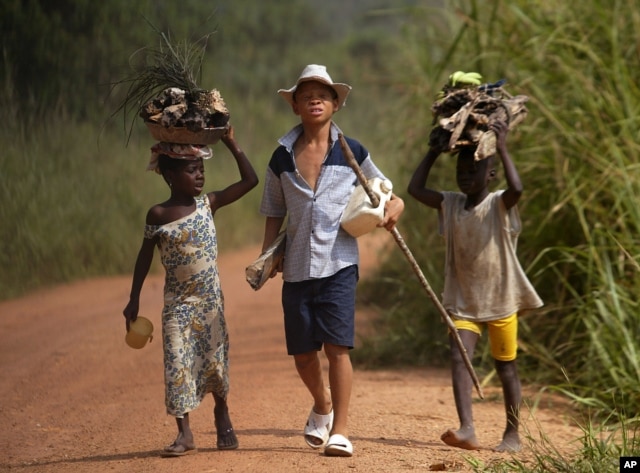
(248, 177)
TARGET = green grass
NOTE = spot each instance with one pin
(69, 204)
(578, 154)
(597, 450)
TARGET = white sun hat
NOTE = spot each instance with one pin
(318, 73)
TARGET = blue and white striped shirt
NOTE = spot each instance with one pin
(317, 246)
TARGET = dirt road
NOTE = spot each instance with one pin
(76, 398)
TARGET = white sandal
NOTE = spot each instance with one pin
(338, 446)
(317, 428)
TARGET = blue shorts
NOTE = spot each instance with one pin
(320, 311)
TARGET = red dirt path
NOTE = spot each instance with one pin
(76, 398)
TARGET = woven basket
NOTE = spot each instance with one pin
(182, 135)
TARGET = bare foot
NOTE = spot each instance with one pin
(459, 439)
(510, 443)
(226, 437)
(181, 446)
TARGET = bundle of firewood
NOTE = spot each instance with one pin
(176, 107)
(464, 110)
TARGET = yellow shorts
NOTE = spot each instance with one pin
(503, 335)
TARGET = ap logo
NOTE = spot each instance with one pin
(630, 464)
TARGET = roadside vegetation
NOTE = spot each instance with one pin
(74, 191)
(73, 182)
(578, 156)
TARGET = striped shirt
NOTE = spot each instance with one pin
(317, 246)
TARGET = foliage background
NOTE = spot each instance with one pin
(74, 192)
(74, 177)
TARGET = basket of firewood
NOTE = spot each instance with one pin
(176, 116)
(182, 135)
(164, 93)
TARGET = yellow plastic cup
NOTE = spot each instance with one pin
(139, 332)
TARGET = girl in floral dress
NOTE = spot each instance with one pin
(194, 334)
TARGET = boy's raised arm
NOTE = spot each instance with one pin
(513, 192)
(417, 186)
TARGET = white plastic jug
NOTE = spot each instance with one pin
(360, 216)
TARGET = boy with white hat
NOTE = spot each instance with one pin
(309, 182)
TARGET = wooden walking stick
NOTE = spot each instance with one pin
(375, 201)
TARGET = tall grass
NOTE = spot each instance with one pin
(68, 205)
(578, 155)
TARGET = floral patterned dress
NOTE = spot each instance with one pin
(194, 332)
